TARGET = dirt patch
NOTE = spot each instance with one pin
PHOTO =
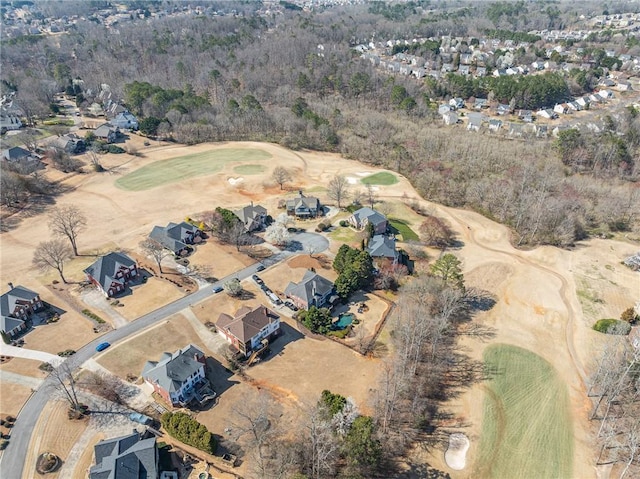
(317, 262)
(128, 358)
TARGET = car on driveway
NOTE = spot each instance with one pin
(257, 279)
(291, 306)
(218, 289)
(260, 268)
(102, 346)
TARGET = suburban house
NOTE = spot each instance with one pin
(16, 307)
(70, 143)
(561, 108)
(367, 216)
(111, 273)
(304, 206)
(177, 237)
(126, 457)
(125, 120)
(547, 113)
(248, 328)
(495, 125)
(450, 118)
(383, 247)
(313, 290)
(20, 157)
(9, 121)
(252, 217)
(107, 132)
(179, 377)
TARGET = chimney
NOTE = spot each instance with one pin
(10, 285)
(300, 193)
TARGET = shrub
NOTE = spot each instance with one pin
(343, 223)
(189, 431)
(67, 353)
(3, 444)
(115, 149)
(612, 326)
(93, 316)
(629, 315)
(323, 227)
(46, 367)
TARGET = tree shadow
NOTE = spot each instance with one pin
(294, 245)
(480, 299)
(34, 206)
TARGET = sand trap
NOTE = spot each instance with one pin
(352, 180)
(235, 181)
(364, 173)
(455, 456)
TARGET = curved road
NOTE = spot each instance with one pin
(13, 458)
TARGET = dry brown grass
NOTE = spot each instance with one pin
(86, 459)
(129, 357)
(12, 398)
(26, 367)
(148, 297)
(219, 260)
(72, 331)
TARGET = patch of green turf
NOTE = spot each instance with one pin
(527, 430)
(181, 168)
(342, 234)
(401, 227)
(607, 326)
(250, 169)
(383, 178)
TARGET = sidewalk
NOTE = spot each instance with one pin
(13, 351)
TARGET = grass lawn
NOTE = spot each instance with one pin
(177, 169)
(403, 228)
(250, 169)
(383, 178)
(344, 234)
(526, 428)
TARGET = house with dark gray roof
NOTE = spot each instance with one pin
(111, 273)
(126, 457)
(70, 143)
(383, 247)
(177, 237)
(312, 290)
(367, 216)
(16, 307)
(176, 377)
(18, 156)
(107, 132)
(248, 327)
(253, 217)
(304, 206)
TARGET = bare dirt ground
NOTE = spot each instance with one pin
(541, 293)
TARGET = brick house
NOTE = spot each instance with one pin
(16, 307)
(111, 273)
(248, 327)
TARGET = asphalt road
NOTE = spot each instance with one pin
(13, 458)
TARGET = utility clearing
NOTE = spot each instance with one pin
(527, 429)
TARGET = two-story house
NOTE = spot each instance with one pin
(313, 290)
(304, 206)
(107, 132)
(382, 247)
(176, 376)
(125, 121)
(253, 217)
(16, 307)
(111, 273)
(177, 237)
(363, 217)
(248, 327)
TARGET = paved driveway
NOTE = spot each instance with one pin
(7, 350)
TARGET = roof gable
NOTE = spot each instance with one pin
(247, 322)
(174, 369)
(104, 269)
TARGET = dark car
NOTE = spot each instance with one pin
(217, 289)
(102, 346)
(260, 268)
(291, 306)
(257, 279)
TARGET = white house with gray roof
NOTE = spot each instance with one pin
(176, 376)
(312, 290)
(367, 216)
(303, 206)
(16, 307)
(126, 457)
(111, 273)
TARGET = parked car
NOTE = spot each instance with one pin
(102, 346)
(218, 289)
(260, 268)
(257, 279)
(291, 306)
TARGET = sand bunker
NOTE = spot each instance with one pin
(235, 181)
(352, 180)
(455, 456)
(364, 173)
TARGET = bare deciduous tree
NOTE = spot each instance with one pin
(65, 382)
(281, 176)
(68, 221)
(52, 255)
(155, 250)
(338, 189)
(371, 195)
